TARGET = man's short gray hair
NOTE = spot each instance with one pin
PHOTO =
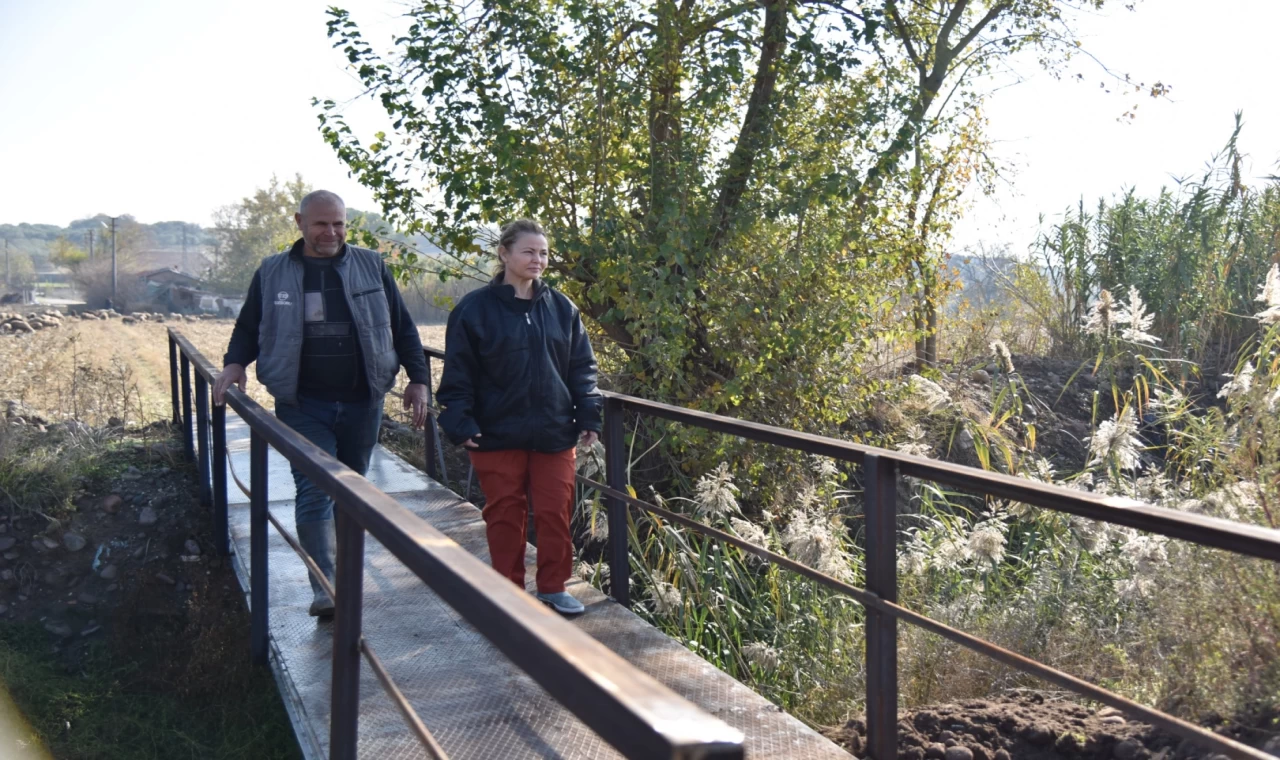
(319, 196)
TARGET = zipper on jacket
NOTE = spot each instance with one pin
(526, 319)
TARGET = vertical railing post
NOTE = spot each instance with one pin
(882, 629)
(616, 476)
(173, 379)
(220, 534)
(344, 714)
(257, 548)
(202, 439)
(439, 447)
(187, 442)
(429, 430)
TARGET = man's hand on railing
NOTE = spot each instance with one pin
(415, 396)
(232, 374)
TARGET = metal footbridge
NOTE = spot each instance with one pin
(433, 654)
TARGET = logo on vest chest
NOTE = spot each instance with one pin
(282, 299)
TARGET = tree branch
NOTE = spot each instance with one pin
(992, 14)
(756, 125)
(904, 34)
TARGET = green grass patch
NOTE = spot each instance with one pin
(105, 707)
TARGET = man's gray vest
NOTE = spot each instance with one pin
(280, 331)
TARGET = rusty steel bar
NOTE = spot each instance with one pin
(310, 563)
(881, 511)
(428, 741)
(1188, 731)
(239, 483)
(344, 720)
(258, 643)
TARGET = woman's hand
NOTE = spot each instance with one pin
(470, 443)
(589, 437)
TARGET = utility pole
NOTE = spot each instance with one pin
(184, 247)
(113, 262)
(113, 259)
(6, 261)
(91, 245)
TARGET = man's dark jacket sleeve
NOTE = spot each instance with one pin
(587, 401)
(405, 333)
(457, 392)
(243, 348)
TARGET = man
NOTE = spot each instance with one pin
(327, 326)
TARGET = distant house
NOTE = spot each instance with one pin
(173, 290)
(169, 276)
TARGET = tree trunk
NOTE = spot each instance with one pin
(756, 124)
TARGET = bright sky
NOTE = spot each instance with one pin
(168, 110)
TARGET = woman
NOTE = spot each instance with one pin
(519, 391)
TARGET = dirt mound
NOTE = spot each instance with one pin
(1035, 728)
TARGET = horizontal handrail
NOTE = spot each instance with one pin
(628, 709)
(1239, 538)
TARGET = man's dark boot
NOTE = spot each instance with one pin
(320, 541)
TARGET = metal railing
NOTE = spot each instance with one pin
(634, 713)
(881, 469)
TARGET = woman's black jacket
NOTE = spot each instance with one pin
(520, 373)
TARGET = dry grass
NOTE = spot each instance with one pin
(93, 370)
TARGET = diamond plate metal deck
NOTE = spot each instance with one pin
(472, 698)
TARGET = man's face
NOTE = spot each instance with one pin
(323, 227)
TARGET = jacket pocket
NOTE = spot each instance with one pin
(372, 305)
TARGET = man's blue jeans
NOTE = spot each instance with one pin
(347, 430)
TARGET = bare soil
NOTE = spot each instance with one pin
(129, 562)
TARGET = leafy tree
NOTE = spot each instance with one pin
(22, 271)
(717, 176)
(64, 253)
(252, 229)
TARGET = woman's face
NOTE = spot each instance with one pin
(526, 259)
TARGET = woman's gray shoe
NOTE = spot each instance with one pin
(563, 602)
(320, 540)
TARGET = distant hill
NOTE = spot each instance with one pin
(36, 240)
